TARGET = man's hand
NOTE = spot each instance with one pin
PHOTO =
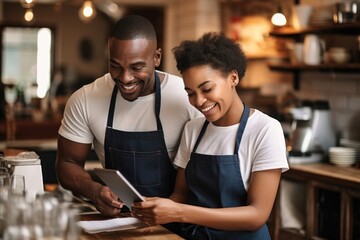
(106, 201)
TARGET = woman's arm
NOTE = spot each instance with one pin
(180, 190)
(261, 196)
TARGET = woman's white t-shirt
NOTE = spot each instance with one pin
(262, 145)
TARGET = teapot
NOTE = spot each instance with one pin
(314, 48)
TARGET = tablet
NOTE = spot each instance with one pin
(119, 185)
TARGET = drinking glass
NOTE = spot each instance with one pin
(19, 219)
(5, 180)
(4, 171)
(17, 184)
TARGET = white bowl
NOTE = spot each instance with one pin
(339, 55)
(342, 150)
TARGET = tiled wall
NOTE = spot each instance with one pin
(342, 90)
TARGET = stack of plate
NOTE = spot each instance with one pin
(342, 156)
(351, 144)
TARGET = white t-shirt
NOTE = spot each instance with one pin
(86, 113)
(262, 145)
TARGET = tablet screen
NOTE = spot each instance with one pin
(119, 185)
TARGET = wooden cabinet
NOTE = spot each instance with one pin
(29, 129)
(329, 31)
(332, 202)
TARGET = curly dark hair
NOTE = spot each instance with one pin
(213, 49)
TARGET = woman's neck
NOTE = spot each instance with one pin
(234, 114)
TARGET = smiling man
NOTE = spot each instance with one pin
(133, 116)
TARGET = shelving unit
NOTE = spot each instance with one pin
(352, 29)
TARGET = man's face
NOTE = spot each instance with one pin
(132, 64)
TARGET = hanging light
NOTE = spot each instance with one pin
(278, 19)
(29, 15)
(87, 11)
(27, 3)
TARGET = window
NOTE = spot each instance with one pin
(27, 57)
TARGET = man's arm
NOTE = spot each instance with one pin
(71, 158)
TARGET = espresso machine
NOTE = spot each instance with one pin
(312, 133)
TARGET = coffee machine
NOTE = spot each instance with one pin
(27, 164)
(312, 133)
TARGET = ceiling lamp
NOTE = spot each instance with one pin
(87, 12)
(278, 19)
(29, 15)
(27, 3)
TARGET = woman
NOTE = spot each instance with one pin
(230, 161)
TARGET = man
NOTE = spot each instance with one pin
(133, 116)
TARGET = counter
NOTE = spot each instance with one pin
(329, 173)
(325, 198)
(154, 232)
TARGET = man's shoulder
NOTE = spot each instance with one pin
(170, 77)
(196, 122)
(100, 85)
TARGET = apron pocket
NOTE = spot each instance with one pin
(142, 169)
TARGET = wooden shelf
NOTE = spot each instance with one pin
(331, 28)
(298, 35)
(348, 67)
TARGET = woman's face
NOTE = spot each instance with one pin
(132, 64)
(212, 93)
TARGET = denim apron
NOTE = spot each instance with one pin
(141, 157)
(215, 181)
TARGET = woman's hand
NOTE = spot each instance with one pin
(156, 210)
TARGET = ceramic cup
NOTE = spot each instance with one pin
(301, 14)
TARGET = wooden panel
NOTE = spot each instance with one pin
(28, 129)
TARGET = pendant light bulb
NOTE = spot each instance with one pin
(29, 15)
(278, 19)
(87, 11)
(27, 3)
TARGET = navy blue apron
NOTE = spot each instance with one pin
(141, 157)
(215, 181)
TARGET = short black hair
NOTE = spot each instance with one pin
(213, 49)
(133, 27)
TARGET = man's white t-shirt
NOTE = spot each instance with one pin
(86, 113)
(262, 145)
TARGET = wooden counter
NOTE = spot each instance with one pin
(325, 172)
(154, 232)
(332, 197)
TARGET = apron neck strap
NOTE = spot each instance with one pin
(157, 103)
(239, 134)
